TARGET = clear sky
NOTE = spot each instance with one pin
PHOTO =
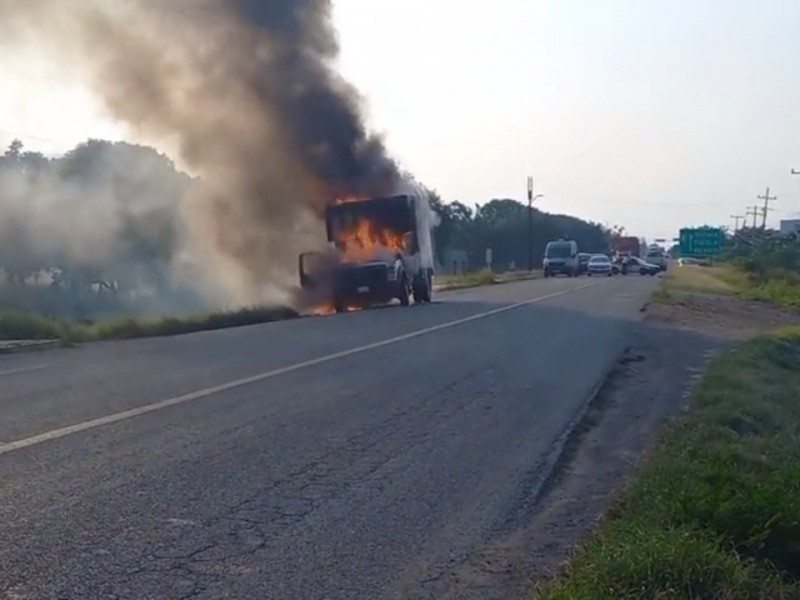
(653, 114)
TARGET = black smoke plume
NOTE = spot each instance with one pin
(245, 94)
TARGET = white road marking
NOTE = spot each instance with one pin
(22, 370)
(209, 391)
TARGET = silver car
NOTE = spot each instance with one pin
(599, 264)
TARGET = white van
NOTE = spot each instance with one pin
(561, 257)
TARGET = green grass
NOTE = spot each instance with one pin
(714, 513)
(18, 325)
(778, 287)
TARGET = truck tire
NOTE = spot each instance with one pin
(403, 292)
(421, 289)
(338, 306)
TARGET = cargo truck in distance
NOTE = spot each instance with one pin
(381, 249)
(624, 245)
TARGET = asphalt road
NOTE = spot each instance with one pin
(351, 456)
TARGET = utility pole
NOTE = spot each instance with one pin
(767, 199)
(752, 210)
(736, 219)
(530, 223)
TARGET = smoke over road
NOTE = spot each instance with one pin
(246, 94)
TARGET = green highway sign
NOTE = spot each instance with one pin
(701, 241)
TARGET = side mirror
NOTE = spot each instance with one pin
(306, 263)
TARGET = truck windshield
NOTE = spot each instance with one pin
(367, 223)
(558, 251)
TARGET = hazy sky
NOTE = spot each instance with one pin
(650, 114)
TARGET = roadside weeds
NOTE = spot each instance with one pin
(27, 327)
(713, 512)
(781, 289)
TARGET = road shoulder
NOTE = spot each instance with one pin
(651, 386)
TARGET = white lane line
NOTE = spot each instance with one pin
(22, 370)
(54, 434)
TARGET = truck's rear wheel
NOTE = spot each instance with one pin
(422, 290)
(403, 293)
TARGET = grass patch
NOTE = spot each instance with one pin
(715, 511)
(482, 278)
(18, 325)
(778, 287)
(695, 278)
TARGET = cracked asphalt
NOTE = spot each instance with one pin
(369, 474)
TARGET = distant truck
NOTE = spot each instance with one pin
(626, 245)
(381, 250)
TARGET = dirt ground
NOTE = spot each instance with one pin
(720, 316)
(651, 383)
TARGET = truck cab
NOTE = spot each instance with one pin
(379, 246)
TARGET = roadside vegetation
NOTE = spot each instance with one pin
(754, 266)
(714, 511)
(31, 326)
(482, 278)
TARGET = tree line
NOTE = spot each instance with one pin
(106, 217)
(103, 217)
(502, 225)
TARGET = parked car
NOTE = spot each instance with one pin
(599, 264)
(657, 257)
(619, 266)
(643, 267)
(583, 262)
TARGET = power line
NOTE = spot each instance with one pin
(754, 212)
(767, 199)
(736, 219)
(20, 134)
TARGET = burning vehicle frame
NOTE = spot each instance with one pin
(381, 250)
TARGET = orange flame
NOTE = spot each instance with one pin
(329, 309)
(365, 240)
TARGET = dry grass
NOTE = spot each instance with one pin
(694, 278)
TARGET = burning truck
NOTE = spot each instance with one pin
(381, 249)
